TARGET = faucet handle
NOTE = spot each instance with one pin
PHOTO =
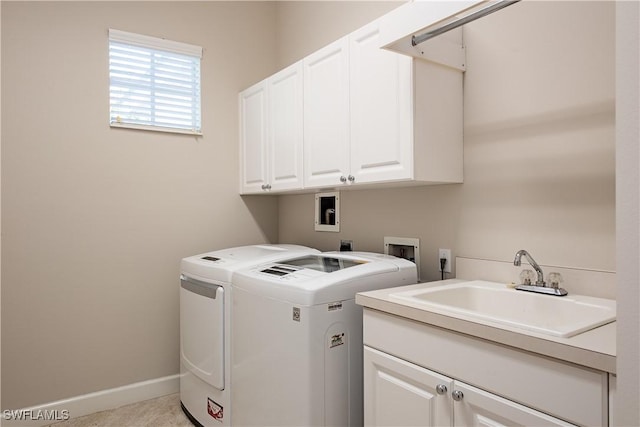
(554, 280)
(526, 276)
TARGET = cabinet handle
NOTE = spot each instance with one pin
(264, 187)
(268, 186)
(343, 178)
(351, 178)
(441, 389)
(457, 395)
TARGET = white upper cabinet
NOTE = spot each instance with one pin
(271, 133)
(380, 110)
(352, 114)
(326, 115)
(378, 117)
(284, 91)
(253, 139)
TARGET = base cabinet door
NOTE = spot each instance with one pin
(479, 408)
(398, 393)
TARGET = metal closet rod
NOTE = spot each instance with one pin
(416, 40)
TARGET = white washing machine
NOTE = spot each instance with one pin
(297, 337)
(205, 320)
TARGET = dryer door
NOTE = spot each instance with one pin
(202, 329)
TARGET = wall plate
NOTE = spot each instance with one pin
(404, 247)
(327, 216)
(445, 254)
(346, 245)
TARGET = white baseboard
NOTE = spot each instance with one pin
(48, 413)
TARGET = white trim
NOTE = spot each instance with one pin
(125, 125)
(155, 83)
(100, 401)
(155, 43)
(319, 226)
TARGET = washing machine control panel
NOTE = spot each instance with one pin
(279, 270)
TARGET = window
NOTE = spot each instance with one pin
(154, 83)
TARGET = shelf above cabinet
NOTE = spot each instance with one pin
(427, 29)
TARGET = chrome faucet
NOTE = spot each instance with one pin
(534, 264)
(540, 286)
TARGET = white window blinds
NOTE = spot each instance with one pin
(154, 83)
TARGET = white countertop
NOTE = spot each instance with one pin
(594, 349)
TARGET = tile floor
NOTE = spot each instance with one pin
(163, 411)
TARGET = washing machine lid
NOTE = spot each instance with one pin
(322, 278)
(322, 263)
(219, 265)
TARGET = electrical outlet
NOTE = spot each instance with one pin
(446, 254)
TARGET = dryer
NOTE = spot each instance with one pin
(205, 321)
(297, 337)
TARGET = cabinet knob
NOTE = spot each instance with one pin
(441, 389)
(351, 178)
(343, 178)
(266, 186)
(263, 186)
(457, 395)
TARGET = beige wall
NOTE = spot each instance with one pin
(95, 220)
(305, 26)
(538, 153)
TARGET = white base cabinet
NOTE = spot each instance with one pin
(613, 386)
(398, 393)
(418, 374)
(477, 408)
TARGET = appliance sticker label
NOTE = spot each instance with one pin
(336, 340)
(215, 410)
(334, 306)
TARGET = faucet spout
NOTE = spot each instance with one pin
(534, 264)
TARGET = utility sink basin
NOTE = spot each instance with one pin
(496, 303)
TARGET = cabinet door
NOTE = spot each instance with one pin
(381, 109)
(285, 128)
(326, 115)
(253, 139)
(480, 408)
(398, 393)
